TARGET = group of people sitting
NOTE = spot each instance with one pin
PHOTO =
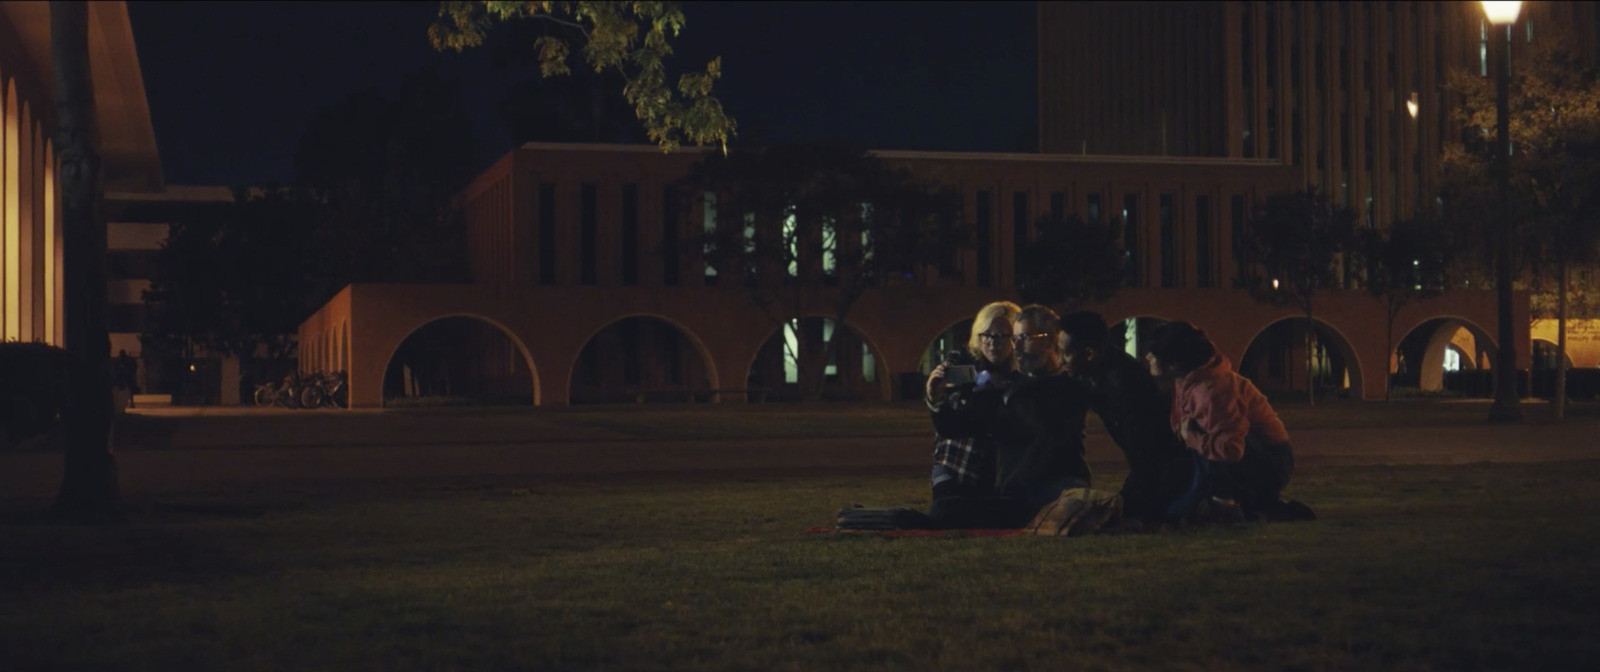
(1010, 411)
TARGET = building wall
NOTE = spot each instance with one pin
(137, 226)
(1583, 339)
(1120, 78)
(30, 207)
(1322, 86)
(538, 282)
(527, 215)
(31, 262)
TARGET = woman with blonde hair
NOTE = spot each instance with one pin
(965, 467)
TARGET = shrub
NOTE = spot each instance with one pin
(33, 389)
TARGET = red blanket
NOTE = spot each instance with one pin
(921, 533)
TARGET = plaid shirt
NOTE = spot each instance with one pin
(971, 463)
(963, 457)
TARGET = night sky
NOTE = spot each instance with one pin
(231, 85)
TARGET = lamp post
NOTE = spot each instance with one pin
(1506, 406)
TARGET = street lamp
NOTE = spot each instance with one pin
(1411, 105)
(1506, 407)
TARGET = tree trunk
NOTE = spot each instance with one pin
(1388, 342)
(89, 472)
(1311, 385)
(816, 369)
(1558, 409)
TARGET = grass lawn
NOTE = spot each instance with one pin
(901, 418)
(1443, 568)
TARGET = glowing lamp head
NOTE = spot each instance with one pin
(1501, 13)
(1411, 105)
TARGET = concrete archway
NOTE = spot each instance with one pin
(493, 361)
(857, 370)
(952, 338)
(643, 357)
(1545, 354)
(1425, 350)
(1139, 327)
(1275, 358)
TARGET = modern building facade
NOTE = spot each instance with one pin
(1351, 93)
(1175, 117)
(137, 226)
(139, 203)
(568, 243)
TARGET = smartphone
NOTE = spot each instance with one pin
(960, 374)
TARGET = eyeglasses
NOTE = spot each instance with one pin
(1022, 339)
(987, 337)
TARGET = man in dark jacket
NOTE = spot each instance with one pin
(1162, 475)
(1036, 427)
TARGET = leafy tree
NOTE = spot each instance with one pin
(1406, 262)
(232, 282)
(630, 39)
(89, 489)
(380, 178)
(584, 106)
(1294, 248)
(581, 108)
(1070, 263)
(1554, 97)
(183, 306)
(266, 284)
(811, 227)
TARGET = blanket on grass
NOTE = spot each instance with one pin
(921, 533)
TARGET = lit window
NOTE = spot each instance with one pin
(791, 348)
(869, 367)
(1452, 359)
(830, 242)
(832, 368)
(711, 228)
(866, 232)
(1483, 49)
(789, 235)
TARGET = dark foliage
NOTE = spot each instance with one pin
(1070, 263)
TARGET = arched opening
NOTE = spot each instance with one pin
(954, 338)
(1276, 361)
(1546, 360)
(642, 359)
(1547, 357)
(1444, 356)
(1132, 335)
(460, 360)
(850, 371)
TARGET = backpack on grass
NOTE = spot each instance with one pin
(1077, 511)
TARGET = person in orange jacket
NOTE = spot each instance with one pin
(1226, 420)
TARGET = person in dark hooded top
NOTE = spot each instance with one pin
(1163, 481)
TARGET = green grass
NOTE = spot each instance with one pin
(1444, 568)
(901, 418)
(754, 421)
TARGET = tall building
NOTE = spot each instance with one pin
(139, 203)
(1350, 93)
(1175, 117)
(582, 278)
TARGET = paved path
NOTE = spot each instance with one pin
(327, 453)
